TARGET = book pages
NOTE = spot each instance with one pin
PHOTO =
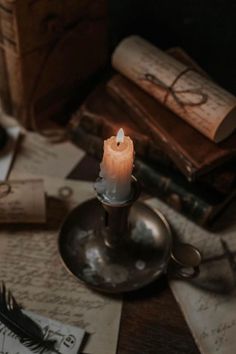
(31, 267)
(200, 102)
(208, 302)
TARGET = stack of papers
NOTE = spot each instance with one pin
(29, 260)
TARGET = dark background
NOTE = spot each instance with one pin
(205, 29)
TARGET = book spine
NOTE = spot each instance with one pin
(141, 117)
(10, 47)
(9, 38)
(92, 144)
(95, 124)
(173, 194)
(152, 181)
(101, 126)
(40, 82)
(7, 43)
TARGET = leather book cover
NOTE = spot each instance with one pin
(50, 49)
(191, 152)
(198, 202)
(100, 115)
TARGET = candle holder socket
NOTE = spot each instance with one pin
(115, 224)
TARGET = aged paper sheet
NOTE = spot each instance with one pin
(7, 154)
(38, 156)
(68, 338)
(201, 102)
(31, 267)
(22, 202)
(209, 302)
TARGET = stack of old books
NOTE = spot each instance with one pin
(182, 125)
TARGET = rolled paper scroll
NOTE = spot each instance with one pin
(22, 201)
(199, 101)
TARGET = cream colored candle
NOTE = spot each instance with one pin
(116, 168)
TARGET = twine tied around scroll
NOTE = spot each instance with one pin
(171, 91)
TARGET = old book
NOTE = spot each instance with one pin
(195, 98)
(4, 86)
(100, 115)
(194, 154)
(197, 201)
(50, 49)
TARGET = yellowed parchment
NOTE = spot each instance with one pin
(31, 267)
(209, 301)
(22, 202)
(200, 102)
(37, 156)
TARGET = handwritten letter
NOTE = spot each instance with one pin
(209, 301)
(31, 267)
(37, 156)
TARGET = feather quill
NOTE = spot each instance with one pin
(29, 333)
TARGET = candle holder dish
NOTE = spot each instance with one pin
(122, 247)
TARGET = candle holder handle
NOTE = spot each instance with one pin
(115, 223)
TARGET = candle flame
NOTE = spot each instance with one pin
(120, 136)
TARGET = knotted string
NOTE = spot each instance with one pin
(171, 91)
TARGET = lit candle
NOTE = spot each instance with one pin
(116, 168)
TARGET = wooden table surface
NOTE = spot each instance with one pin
(151, 321)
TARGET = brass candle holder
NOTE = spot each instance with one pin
(121, 247)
